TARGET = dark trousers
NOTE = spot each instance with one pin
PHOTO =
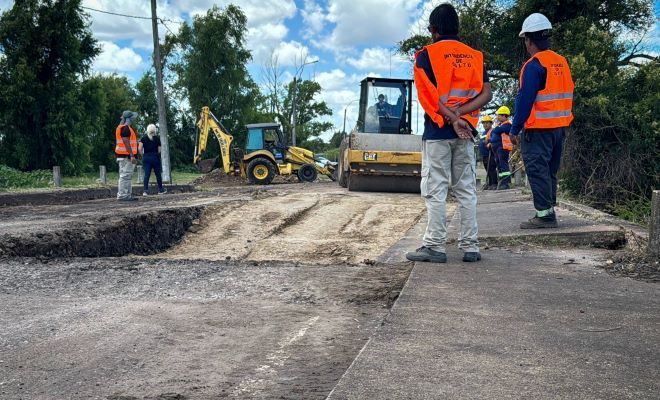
(151, 161)
(541, 153)
(491, 169)
(502, 164)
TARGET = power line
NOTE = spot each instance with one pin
(130, 16)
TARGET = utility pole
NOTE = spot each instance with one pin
(162, 117)
(293, 106)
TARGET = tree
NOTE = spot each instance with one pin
(308, 128)
(106, 96)
(47, 47)
(209, 59)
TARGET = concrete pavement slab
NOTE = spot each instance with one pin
(513, 326)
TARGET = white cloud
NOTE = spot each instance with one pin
(313, 17)
(116, 59)
(369, 22)
(378, 59)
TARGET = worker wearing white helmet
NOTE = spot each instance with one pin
(543, 109)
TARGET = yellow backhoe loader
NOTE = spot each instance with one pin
(266, 153)
(382, 154)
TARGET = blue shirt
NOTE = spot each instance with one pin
(496, 136)
(483, 150)
(431, 130)
(533, 80)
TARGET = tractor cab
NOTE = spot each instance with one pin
(385, 105)
(266, 136)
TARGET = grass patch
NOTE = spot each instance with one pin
(12, 180)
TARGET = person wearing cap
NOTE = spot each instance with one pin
(502, 146)
(126, 148)
(452, 84)
(149, 147)
(543, 111)
(486, 154)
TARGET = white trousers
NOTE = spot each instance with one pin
(446, 162)
(124, 188)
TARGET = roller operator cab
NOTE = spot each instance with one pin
(382, 154)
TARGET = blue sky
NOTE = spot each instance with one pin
(350, 38)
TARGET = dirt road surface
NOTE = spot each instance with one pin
(246, 293)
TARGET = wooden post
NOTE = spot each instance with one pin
(140, 174)
(654, 225)
(102, 175)
(57, 176)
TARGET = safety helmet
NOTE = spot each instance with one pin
(487, 118)
(534, 23)
(504, 110)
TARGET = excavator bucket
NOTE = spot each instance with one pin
(206, 166)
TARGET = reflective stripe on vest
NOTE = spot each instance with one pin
(552, 106)
(459, 73)
(120, 148)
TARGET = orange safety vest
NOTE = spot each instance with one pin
(553, 105)
(120, 149)
(506, 139)
(459, 73)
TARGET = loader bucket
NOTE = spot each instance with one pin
(206, 166)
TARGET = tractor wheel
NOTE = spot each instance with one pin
(260, 171)
(307, 173)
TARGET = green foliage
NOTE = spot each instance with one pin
(47, 47)
(107, 96)
(209, 61)
(308, 110)
(11, 178)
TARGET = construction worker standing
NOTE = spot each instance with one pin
(544, 109)
(126, 147)
(487, 156)
(452, 84)
(501, 146)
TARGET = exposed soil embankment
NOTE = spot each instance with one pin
(68, 196)
(145, 233)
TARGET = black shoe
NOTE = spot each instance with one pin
(549, 221)
(471, 256)
(427, 255)
(503, 187)
(128, 199)
(492, 187)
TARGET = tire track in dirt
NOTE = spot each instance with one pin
(232, 231)
(348, 228)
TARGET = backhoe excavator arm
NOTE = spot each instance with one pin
(207, 121)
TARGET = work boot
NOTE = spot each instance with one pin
(427, 255)
(549, 221)
(471, 256)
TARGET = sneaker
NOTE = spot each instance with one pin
(128, 199)
(471, 256)
(163, 191)
(145, 194)
(427, 255)
(540, 222)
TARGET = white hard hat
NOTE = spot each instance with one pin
(534, 23)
